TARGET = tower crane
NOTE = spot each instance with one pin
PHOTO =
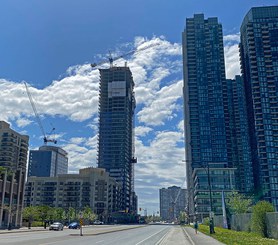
(45, 139)
(112, 59)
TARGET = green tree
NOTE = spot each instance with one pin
(30, 213)
(182, 217)
(61, 214)
(43, 212)
(88, 214)
(258, 220)
(71, 214)
(238, 203)
(57, 214)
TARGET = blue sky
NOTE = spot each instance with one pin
(49, 44)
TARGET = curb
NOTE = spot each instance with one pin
(105, 232)
(19, 231)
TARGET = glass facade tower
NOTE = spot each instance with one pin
(259, 66)
(207, 129)
(48, 161)
(116, 130)
(206, 110)
(239, 133)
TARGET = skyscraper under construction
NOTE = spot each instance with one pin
(116, 130)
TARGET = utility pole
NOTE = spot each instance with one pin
(211, 222)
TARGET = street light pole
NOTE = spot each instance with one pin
(209, 184)
(211, 223)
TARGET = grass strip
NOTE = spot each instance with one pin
(231, 237)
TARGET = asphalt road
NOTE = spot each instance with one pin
(144, 235)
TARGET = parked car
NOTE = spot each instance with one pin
(56, 226)
(98, 222)
(74, 225)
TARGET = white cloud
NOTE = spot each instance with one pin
(162, 106)
(181, 126)
(159, 165)
(232, 38)
(82, 153)
(22, 122)
(231, 52)
(232, 61)
(142, 131)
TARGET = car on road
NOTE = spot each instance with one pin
(98, 222)
(74, 225)
(56, 226)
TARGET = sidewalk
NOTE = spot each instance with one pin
(186, 236)
(200, 238)
(174, 237)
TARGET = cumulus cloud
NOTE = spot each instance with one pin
(162, 106)
(231, 52)
(231, 38)
(22, 122)
(142, 131)
(82, 152)
(159, 165)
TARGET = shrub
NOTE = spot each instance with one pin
(206, 221)
(258, 220)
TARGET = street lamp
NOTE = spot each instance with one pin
(211, 223)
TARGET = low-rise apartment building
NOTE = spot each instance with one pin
(92, 187)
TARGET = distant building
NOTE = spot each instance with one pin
(173, 200)
(259, 67)
(13, 159)
(92, 187)
(48, 161)
(116, 130)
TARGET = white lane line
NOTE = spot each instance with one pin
(100, 241)
(188, 236)
(150, 236)
(162, 238)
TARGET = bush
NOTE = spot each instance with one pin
(258, 220)
(206, 221)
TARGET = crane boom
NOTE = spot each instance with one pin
(111, 59)
(45, 139)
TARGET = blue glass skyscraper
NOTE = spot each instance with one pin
(239, 133)
(206, 113)
(259, 66)
(48, 161)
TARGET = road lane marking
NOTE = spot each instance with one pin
(150, 236)
(188, 236)
(100, 241)
(162, 238)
